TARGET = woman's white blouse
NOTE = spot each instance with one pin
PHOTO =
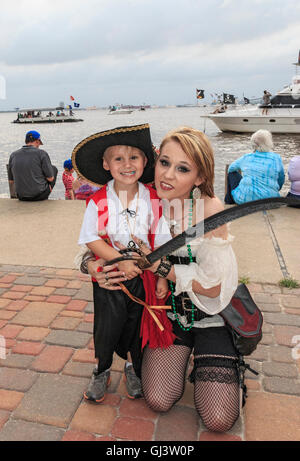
(215, 264)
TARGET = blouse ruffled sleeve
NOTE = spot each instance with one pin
(215, 264)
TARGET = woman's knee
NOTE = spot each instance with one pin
(163, 376)
(218, 421)
(217, 397)
(157, 402)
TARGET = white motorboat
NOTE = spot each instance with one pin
(46, 115)
(282, 114)
(119, 110)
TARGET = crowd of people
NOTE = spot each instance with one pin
(138, 198)
(254, 176)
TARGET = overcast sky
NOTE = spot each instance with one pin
(144, 51)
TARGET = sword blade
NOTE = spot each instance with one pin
(215, 221)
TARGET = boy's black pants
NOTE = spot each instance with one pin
(117, 322)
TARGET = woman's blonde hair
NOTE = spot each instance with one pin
(198, 148)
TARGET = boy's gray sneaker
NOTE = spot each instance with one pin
(97, 386)
(133, 383)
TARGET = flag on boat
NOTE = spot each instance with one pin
(228, 98)
(199, 94)
(76, 104)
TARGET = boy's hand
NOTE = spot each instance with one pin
(161, 288)
(130, 269)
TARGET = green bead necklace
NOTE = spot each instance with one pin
(190, 215)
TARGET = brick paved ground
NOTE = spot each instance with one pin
(46, 320)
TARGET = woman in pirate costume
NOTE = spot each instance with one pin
(202, 278)
(122, 160)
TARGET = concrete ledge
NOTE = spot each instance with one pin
(46, 234)
(254, 249)
(41, 233)
(286, 227)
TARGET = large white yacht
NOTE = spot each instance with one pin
(283, 113)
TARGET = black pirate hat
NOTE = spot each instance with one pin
(88, 154)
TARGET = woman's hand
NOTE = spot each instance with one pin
(110, 276)
(130, 268)
(93, 266)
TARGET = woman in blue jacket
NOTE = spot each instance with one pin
(257, 175)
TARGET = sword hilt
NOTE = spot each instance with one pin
(142, 262)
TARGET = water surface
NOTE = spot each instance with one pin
(60, 139)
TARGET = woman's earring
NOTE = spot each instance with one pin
(196, 193)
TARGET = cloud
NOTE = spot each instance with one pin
(64, 31)
(106, 47)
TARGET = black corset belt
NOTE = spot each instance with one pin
(184, 307)
(183, 302)
(180, 259)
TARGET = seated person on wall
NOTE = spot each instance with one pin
(31, 171)
(294, 177)
(68, 179)
(257, 175)
(83, 189)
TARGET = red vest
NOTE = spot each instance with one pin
(100, 200)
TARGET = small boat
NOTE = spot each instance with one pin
(117, 110)
(282, 115)
(46, 115)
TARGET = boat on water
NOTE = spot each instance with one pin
(116, 110)
(46, 115)
(282, 115)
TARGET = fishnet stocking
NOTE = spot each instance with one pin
(217, 397)
(216, 393)
(163, 376)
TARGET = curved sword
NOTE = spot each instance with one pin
(207, 225)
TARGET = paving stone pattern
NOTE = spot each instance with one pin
(47, 357)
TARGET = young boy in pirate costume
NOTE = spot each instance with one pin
(122, 159)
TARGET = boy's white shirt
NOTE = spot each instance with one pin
(117, 226)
